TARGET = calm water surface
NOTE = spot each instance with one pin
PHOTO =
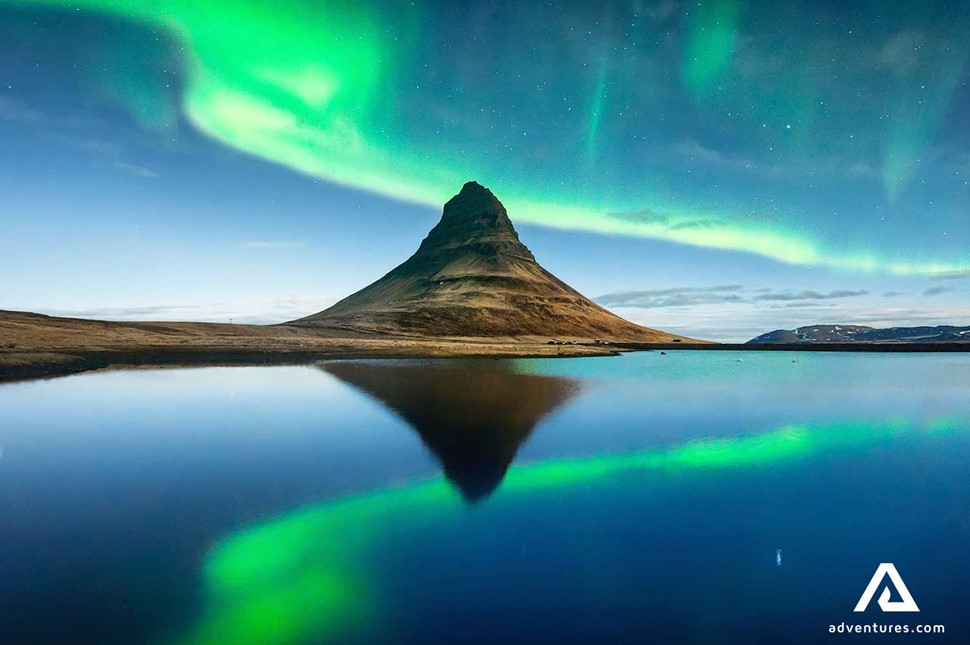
(692, 497)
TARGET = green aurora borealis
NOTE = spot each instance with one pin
(835, 146)
(304, 575)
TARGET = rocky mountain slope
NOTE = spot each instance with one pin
(473, 277)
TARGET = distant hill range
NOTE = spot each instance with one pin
(863, 334)
(472, 277)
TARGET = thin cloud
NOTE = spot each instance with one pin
(935, 291)
(661, 11)
(95, 146)
(786, 296)
(14, 111)
(275, 245)
(810, 304)
(724, 294)
(689, 150)
(136, 170)
(905, 318)
(284, 309)
(952, 275)
(129, 312)
(69, 131)
(902, 52)
(648, 216)
(256, 310)
(675, 297)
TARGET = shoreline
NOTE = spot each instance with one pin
(16, 367)
(27, 366)
(35, 346)
(879, 347)
(40, 346)
(55, 363)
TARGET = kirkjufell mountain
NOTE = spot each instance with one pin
(472, 277)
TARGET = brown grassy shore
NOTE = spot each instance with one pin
(39, 346)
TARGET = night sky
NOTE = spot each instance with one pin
(716, 168)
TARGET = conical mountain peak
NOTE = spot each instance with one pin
(475, 217)
(472, 199)
(473, 277)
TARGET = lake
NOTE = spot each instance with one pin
(692, 497)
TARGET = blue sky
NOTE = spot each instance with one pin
(725, 200)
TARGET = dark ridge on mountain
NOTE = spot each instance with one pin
(863, 334)
(472, 418)
(473, 277)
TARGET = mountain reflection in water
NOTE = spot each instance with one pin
(473, 417)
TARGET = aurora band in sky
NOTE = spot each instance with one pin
(304, 575)
(315, 86)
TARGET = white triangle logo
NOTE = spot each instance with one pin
(887, 569)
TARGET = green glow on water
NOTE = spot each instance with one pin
(305, 575)
(311, 600)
